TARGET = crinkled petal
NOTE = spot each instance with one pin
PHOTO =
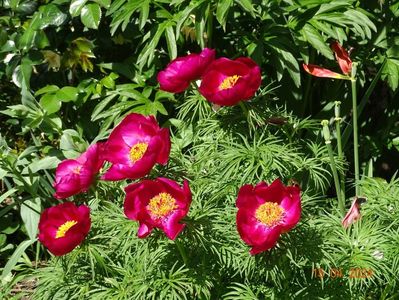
(164, 151)
(144, 230)
(322, 72)
(342, 57)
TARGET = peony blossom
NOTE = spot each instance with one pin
(63, 227)
(160, 203)
(181, 71)
(342, 57)
(353, 213)
(74, 176)
(227, 82)
(135, 146)
(266, 211)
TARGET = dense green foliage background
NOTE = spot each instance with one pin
(70, 71)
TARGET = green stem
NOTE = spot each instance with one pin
(181, 251)
(338, 120)
(244, 109)
(355, 130)
(326, 133)
(209, 29)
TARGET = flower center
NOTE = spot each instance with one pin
(229, 82)
(269, 213)
(77, 170)
(161, 205)
(62, 230)
(137, 151)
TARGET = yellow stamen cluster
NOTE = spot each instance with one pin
(161, 205)
(62, 230)
(269, 213)
(77, 170)
(137, 151)
(229, 82)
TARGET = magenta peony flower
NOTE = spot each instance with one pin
(227, 82)
(74, 176)
(63, 227)
(135, 146)
(179, 72)
(266, 211)
(343, 59)
(160, 203)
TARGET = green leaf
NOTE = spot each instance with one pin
(108, 82)
(7, 194)
(91, 15)
(52, 15)
(391, 72)
(49, 162)
(67, 93)
(50, 103)
(222, 11)
(15, 257)
(104, 3)
(395, 142)
(47, 89)
(76, 6)
(247, 5)
(316, 40)
(171, 42)
(30, 214)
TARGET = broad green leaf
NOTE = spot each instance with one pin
(104, 3)
(76, 6)
(48, 162)
(171, 42)
(91, 15)
(108, 82)
(52, 15)
(67, 93)
(316, 40)
(30, 214)
(222, 11)
(50, 103)
(47, 89)
(391, 72)
(395, 142)
(16, 256)
(8, 224)
(247, 5)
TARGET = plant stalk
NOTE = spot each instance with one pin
(327, 138)
(338, 120)
(355, 130)
(181, 251)
(244, 109)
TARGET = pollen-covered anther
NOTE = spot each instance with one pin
(137, 151)
(229, 82)
(269, 213)
(161, 205)
(62, 230)
(77, 170)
